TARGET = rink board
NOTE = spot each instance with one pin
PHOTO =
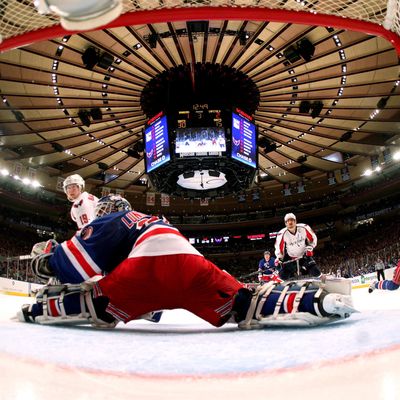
(17, 288)
(20, 288)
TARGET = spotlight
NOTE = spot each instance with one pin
(152, 40)
(105, 60)
(346, 136)
(316, 108)
(197, 26)
(291, 54)
(102, 166)
(57, 147)
(90, 57)
(96, 114)
(382, 103)
(243, 38)
(302, 159)
(84, 117)
(139, 146)
(266, 145)
(306, 49)
(305, 107)
(263, 142)
(215, 31)
(18, 116)
(133, 153)
(302, 49)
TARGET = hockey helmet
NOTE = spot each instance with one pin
(110, 204)
(73, 180)
(290, 216)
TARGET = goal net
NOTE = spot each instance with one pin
(20, 23)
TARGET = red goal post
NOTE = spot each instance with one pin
(21, 24)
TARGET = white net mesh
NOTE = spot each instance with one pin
(18, 17)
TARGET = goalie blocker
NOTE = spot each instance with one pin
(297, 303)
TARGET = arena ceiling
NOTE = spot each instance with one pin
(351, 83)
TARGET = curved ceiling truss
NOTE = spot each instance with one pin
(350, 82)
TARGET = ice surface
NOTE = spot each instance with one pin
(184, 358)
(182, 344)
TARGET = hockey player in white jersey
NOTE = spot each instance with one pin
(84, 203)
(294, 249)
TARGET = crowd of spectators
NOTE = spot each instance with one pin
(347, 255)
(357, 253)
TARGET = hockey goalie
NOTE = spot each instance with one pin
(126, 265)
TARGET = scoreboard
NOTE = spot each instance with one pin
(244, 148)
(156, 142)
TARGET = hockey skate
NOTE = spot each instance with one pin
(372, 286)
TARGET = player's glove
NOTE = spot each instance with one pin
(277, 262)
(309, 251)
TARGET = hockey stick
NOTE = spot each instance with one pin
(248, 275)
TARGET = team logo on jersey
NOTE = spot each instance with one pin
(86, 232)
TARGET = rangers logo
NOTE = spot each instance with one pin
(236, 142)
(86, 232)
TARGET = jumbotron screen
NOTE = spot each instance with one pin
(244, 147)
(157, 144)
(208, 141)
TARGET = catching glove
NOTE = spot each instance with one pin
(41, 253)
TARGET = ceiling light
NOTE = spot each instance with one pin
(367, 172)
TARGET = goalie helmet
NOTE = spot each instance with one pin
(73, 180)
(110, 204)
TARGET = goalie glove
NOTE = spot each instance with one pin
(41, 253)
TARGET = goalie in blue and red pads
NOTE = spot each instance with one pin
(150, 266)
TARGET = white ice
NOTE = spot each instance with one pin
(183, 349)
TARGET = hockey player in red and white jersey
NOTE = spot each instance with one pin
(296, 242)
(84, 203)
(150, 266)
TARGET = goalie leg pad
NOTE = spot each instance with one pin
(67, 304)
(303, 303)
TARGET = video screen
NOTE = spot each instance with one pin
(244, 147)
(156, 144)
(200, 141)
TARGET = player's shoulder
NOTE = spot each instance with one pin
(305, 226)
(90, 197)
(281, 233)
(301, 225)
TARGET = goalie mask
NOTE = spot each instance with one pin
(110, 204)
